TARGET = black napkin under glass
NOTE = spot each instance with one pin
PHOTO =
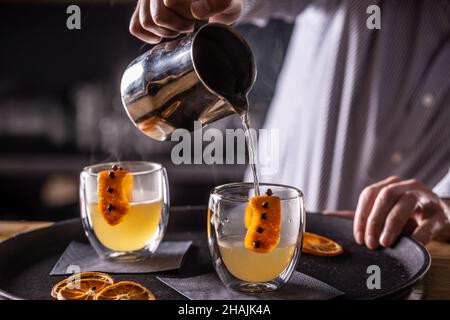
(209, 287)
(169, 256)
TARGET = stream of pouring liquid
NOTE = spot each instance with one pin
(241, 108)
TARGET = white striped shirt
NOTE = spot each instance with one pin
(355, 105)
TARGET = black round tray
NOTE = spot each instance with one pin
(26, 260)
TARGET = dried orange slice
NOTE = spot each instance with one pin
(263, 231)
(125, 290)
(320, 246)
(83, 289)
(76, 277)
(114, 194)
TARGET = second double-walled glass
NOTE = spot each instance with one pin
(239, 268)
(143, 227)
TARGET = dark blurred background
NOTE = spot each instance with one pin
(60, 105)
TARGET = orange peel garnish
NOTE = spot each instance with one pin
(263, 222)
(114, 194)
(248, 216)
(125, 290)
(320, 246)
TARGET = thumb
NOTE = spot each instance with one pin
(230, 15)
(203, 9)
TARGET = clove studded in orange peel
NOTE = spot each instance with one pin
(115, 188)
(263, 222)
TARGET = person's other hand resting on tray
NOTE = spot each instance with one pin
(392, 207)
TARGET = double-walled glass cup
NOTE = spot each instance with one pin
(139, 233)
(239, 268)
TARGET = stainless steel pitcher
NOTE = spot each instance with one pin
(203, 76)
